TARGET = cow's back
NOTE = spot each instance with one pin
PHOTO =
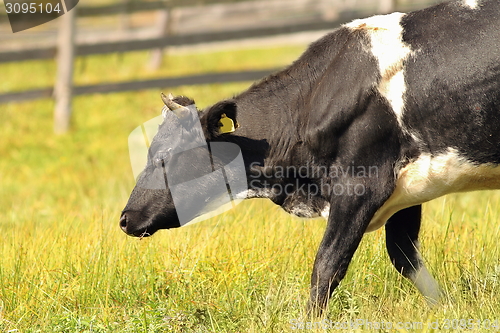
(452, 78)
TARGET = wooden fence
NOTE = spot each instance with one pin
(66, 50)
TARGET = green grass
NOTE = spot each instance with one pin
(66, 267)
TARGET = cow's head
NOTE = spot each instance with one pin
(186, 175)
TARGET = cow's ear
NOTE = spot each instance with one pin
(220, 119)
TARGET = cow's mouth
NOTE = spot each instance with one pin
(145, 233)
(133, 229)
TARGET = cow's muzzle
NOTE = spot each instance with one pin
(129, 228)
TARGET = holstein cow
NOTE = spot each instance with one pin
(374, 119)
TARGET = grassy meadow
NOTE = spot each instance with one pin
(65, 266)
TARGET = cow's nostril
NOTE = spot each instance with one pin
(123, 222)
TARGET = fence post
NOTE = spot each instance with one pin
(125, 15)
(165, 26)
(386, 6)
(64, 79)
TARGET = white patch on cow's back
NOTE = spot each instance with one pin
(473, 4)
(387, 46)
(430, 177)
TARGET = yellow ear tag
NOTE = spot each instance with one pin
(227, 124)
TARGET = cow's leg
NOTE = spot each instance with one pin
(402, 245)
(347, 222)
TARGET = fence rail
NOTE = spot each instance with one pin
(142, 84)
(176, 40)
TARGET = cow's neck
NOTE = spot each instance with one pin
(273, 115)
(269, 115)
(269, 111)
(276, 108)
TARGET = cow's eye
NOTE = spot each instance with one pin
(159, 163)
(161, 157)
